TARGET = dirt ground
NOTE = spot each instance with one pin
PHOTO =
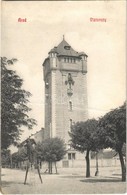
(67, 181)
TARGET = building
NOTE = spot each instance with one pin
(39, 135)
(65, 91)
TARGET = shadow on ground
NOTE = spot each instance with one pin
(9, 183)
(93, 179)
(72, 176)
(104, 179)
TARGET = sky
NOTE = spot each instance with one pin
(47, 22)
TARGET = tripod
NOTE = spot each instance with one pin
(27, 169)
(32, 158)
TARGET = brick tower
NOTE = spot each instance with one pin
(65, 90)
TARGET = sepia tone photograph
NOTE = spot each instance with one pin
(63, 97)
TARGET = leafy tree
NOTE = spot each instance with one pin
(19, 156)
(6, 157)
(14, 107)
(82, 139)
(15, 159)
(112, 133)
(51, 150)
(22, 154)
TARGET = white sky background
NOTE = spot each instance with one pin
(46, 23)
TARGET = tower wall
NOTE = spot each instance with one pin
(78, 100)
(58, 116)
(65, 80)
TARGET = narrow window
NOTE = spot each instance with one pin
(70, 105)
(69, 156)
(64, 59)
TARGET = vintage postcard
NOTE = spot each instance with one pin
(63, 102)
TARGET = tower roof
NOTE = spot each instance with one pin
(64, 49)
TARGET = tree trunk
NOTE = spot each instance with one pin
(20, 165)
(87, 164)
(40, 164)
(51, 167)
(11, 161)
(56, 167)
(97, 170)
(123, 168)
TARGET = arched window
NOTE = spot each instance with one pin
(70, 105)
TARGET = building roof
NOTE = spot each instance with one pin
(64, 49)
